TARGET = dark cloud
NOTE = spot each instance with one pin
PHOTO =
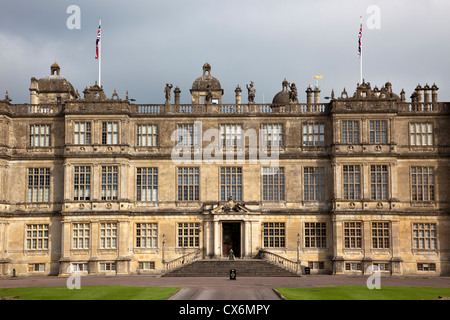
(147, 44)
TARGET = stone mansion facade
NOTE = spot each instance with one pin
(105, 186)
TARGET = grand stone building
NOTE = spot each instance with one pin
(101, 185)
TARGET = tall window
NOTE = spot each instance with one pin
(110, 182)
(315, 234)
(188, 235)
(82, 183)
(273, 183)
(352, 182)
(380, 235)
(421, 134)
(147, 184)
(231, 135)
(80, 236)
(313, 134)
(39, 135)
(424, 236)
(231, 183)
(82, 133)
(379, 182)
(188, 184)
(350, 131)
(37, 237)
(38, 184)
(422, 183)
(273, 134)
(110, 133)
(108, 235)
(147, 135)
(274, 234)
(146, 235)
(187, 135)
(378, 131)
(352, 235)
(314, 183)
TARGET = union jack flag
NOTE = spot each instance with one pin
(99, 36)
(359, 40)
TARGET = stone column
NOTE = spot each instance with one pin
(217, 246)
(177, 92)
(238, 92)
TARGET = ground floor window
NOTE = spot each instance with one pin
(32, 267)
(353, 266)
(315, 235)
(108, 266)
(426, 267)
(78, 267)
(146, 265)
(189, 234)
(316, 265)
(274, 234)
(381, 267)
(37, 236)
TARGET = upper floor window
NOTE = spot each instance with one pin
(313, 134)
(422, 183)
(82, 183)
(314, 183)
(110, 133)
(351, 182)
(40, 135)
(110, 182)
(350, 131)
(230, 183)
(379, 182)
(187, 135)
(147, 135)
(273, 134)
(421, 134)
(231, 135)
(273, 183)
(188, 184)
(82, 133)
(38, 184)
(147, 184)
(378, 131)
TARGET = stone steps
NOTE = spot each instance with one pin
(221, 268)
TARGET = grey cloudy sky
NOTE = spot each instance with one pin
(147, 44)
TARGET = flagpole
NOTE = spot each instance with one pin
(360, 56)
(100, 55)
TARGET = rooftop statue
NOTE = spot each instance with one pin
(251, 92)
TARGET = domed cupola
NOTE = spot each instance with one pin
(206, 89)
(51, 89)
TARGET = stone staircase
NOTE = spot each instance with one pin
(221, 268)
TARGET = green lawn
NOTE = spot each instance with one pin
(90, 293)
(363, 293)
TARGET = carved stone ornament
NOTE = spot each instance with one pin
(230, 206)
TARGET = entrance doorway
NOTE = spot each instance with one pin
(231, 233)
